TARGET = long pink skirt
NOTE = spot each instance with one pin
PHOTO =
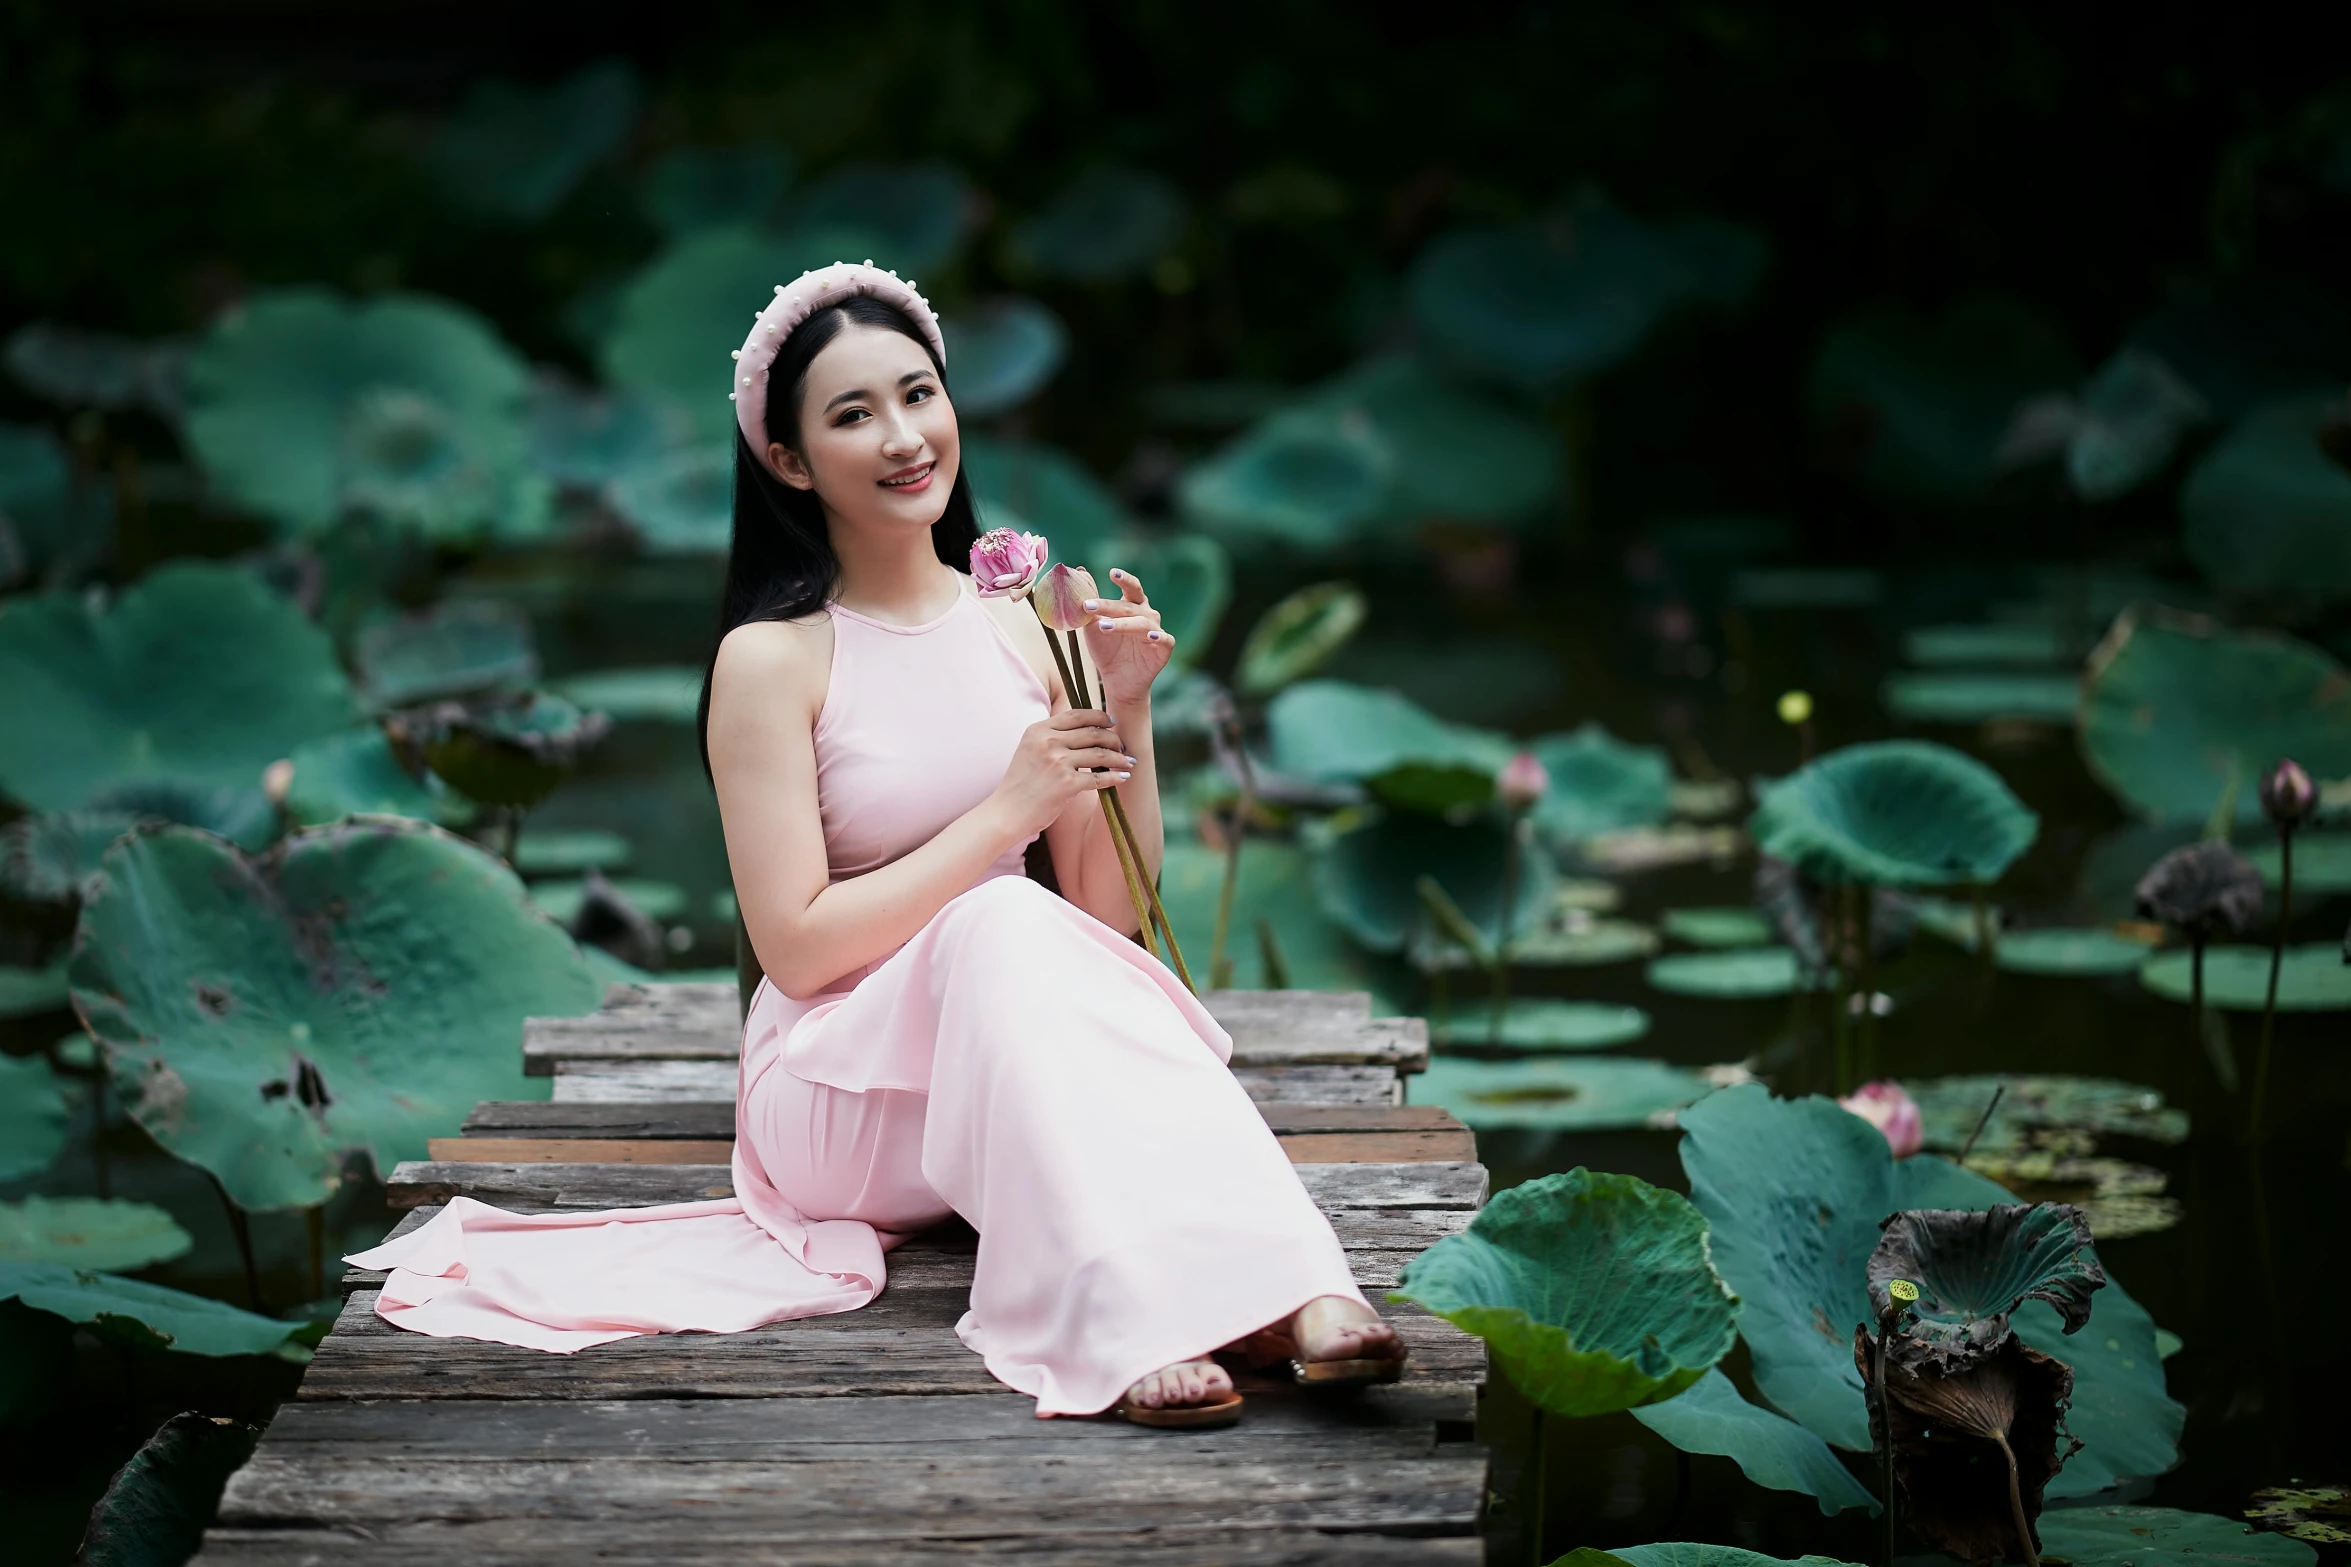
(1018, 1063)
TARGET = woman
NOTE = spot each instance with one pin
(936, 1033)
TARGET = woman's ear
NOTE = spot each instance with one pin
(790, 466)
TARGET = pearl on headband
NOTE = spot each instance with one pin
(795, 303)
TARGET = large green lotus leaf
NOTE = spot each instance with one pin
(1919, 409)
(509, 751)
(1974, 1268)
(1903, 813)
(1310, 477)
(1718, 927)
(49, 523)
(1595, 1292)
(1298, 636)
(2313, 978)
(2322, 863)
(1455, 453)
(307, 407)
(513, 153)
(1682, 1554)
(459, 648)
(1794, 1191)
(144, 1315)
(916, 213)
(690, 188)
(1771, 1450)
(2267, 512)
(360, 986)
(1541, 1023)
(2060, 951)
(679, 502)
(1472, 679)
(584, 439)
(1187, 578)
(90, 1232)
(1003, 351)
(1276, 887)
(2032, 1106)
(1048, 491)
(35, 1114)
(1367, 877)
(1109, 223)
(2177, 709)
(1600, 784)
(158, 1505)
(198, 673)
(46, 858)
(1555, 1093)
(2120, 433)
(1955, 697)
(355, 773)
(1333, 732)
(1739, 973)
(1573, 292)
(656, 693)
(2162, 1537)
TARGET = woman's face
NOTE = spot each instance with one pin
(878, 442)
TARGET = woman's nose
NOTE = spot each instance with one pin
(899, 436)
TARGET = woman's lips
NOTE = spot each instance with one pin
(912, 481)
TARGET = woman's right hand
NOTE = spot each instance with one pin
(1056, 762)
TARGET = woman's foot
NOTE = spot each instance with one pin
(1188, 1384)
(1332, 1327)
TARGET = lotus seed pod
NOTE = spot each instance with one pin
(2288, 797)
(1795, 707)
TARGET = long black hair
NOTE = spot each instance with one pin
(781, 564)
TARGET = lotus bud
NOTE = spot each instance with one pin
(1795, 707)
(1061, 596)
(1005, 564)
(1522, 782)
(2288, 797)
(1885, 1105)
(277, 780)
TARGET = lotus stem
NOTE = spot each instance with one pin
(1840, 997)
(244, 1234)
(2277, 962)
(1502, 931)
(1987, 938)
(1865, 961)
(1886, 1425)
(1142, 886)
(1981, 1122)
(1073, 685)
(1269, 956)
(1150, 883)
(2024, 1528)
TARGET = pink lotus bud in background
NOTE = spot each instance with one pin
(2288, 797)
(1521, 782)
(1061, 596)
(1005, 564)
(1884, 1105)
(277, 780)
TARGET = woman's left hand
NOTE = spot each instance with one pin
(1125, 642)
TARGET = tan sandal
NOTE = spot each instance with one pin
(1340, 1373)
(1179, 1416)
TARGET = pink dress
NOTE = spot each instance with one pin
(1018, 1063)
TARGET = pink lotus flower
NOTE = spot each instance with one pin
(1005, 564)
(1522, 781)
(1061, 596)
(1885, 1105)
(2288, 797)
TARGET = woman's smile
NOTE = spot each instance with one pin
(910, 481)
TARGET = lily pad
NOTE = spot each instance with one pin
(1332, 732)
(2056, 951)
(1902, 813)
(1454, 453)
(1275, 894)
(89, 1232)
(1594, 1292)
(197, 674)
(2320, 1514)
(2163, 1537)
(1107, 224)
(1049, 491)
(1004, 352)
(660, 900)
(692, 188)
(1651, 848)
(1690, 1555)
(1600, 784)
(1540, 1024)
(144, 1316)
(1963, 646)
(1575, 941)
(355, 773)
(48, 858)
(1367, 877)
(1969, 698)
(656, 693)
(2176, 709)
(158, 1505)
(1308, 478)
(1738, 973)
(1718, 927)
(307, 407)
(916, 214)
(2267, 512)
(1770, 1449)
(36, 1112)
(2116, 1197)
(514, 153)
(2033, 1106)
(2313, 978)
(359, 986)
(460, 648)
(1188, 579)
(1558, 1093)
(680, 502)
(2322, 863)
(1298, 636)
(546, 850)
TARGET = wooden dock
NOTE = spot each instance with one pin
(871, 1438)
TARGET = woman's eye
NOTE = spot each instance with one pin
(921, 394)
(851, 416)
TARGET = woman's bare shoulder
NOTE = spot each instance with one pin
(763, 656)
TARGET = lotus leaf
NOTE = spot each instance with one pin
(508, 751)
(78, 369)
(1595, 1292)
(1919, 408)
(1003, 351)
(1188, 579)
(1332, 732)
(562, 900)
(48, 523)
(197, 674)
(1704, 799)
(359, 986)
(1298, 636)
(2118, 434)
(1739, 973)
(2118, 1198)
(1110, 223)
(1731, 927)
(47, 858)
(1966, 698)
(2266, 512)
(1557, 1093)
(89, 1232)
(458, 648)
(1309, 477)
(240, 813)
(1600, 784)
(2025, 644)
(307, 407)
(548, 849)
(2305, 1512)
(2313, 978)
(1685, 1555)
(1771, 1450)
(1367, 877)
(1574, 292)
(1900, 813)
(158, 1505)
(658, 693)
(1276, 892)
(1576, 941)
(587, 439)
(680, 503)
(144, 1316)
(2322, 863)
(1975, 1267)
(1048, 490)
(2053, 951)
(356, 773)
(1539, 1023)
(1793, 1191)
(915, 213)
(35, 1110)
(691, 188)
(513, 153)
(2163, 1537)
(1454, 453)
(2033, 1107)
(2177, 709)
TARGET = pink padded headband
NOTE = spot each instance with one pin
(796, 302)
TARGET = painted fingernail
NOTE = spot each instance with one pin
(1130, 761)
(1123, 777)
(1153, 635)
(1105, 623)
(1093, 603)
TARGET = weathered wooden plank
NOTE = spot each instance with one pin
(1322, 1085)
(1456, 1184)
(1375, 1147)
(672, 1082)
(715, 1118)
